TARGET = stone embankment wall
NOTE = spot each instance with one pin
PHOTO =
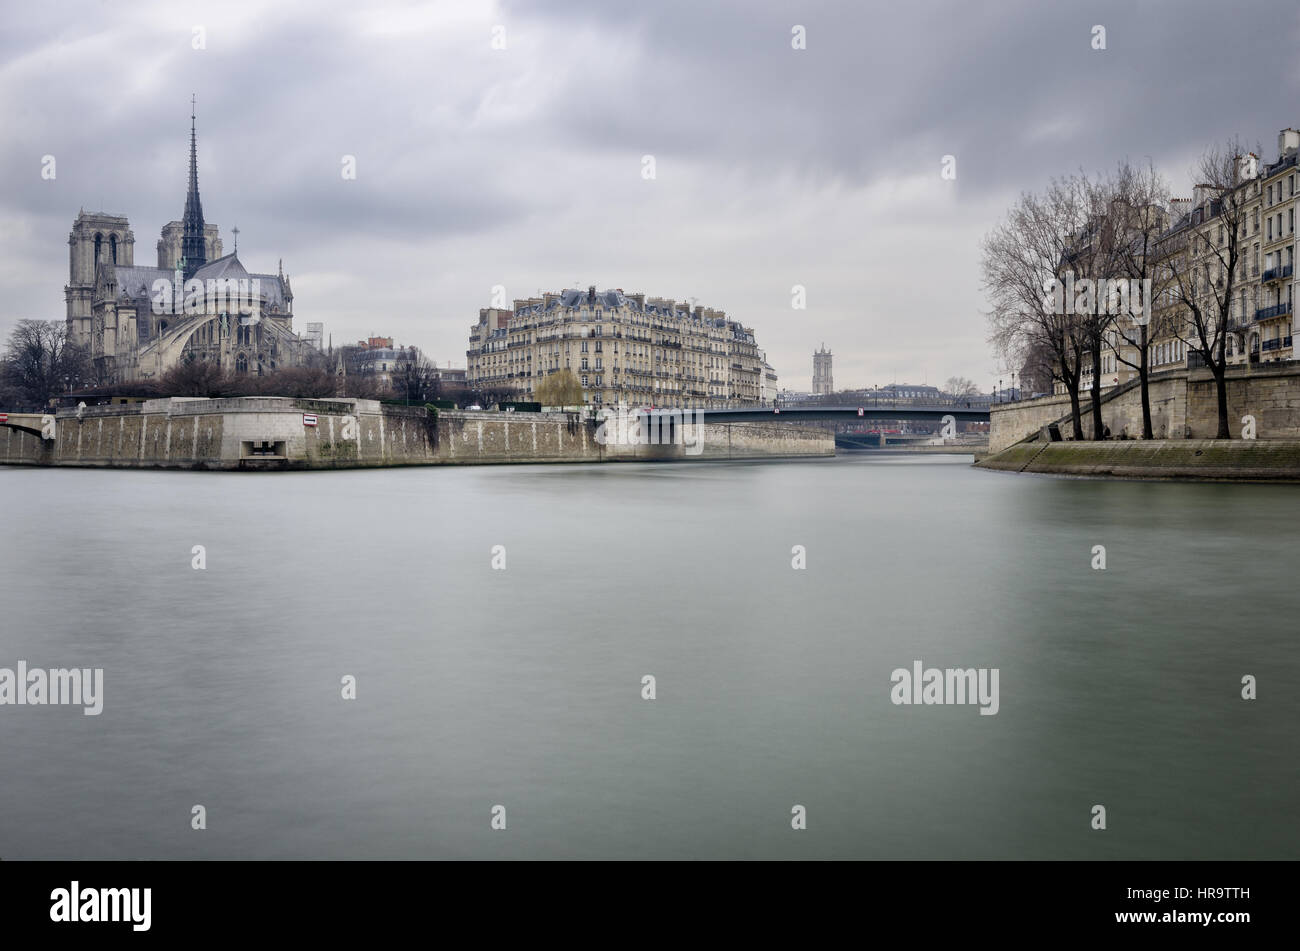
(1184, 405)
(266, 432)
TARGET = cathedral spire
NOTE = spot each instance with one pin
(193, 244)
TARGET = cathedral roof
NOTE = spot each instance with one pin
(136, 282)
(273, 289)
(224, 268)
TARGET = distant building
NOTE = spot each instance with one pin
(623, 348)
(822, 382)
(377, 357)
(767, 391)
(137, 322)
(315, 335)
(911, 391)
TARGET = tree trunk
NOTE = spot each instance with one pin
(1097, 428)
(1221, 384)
(1076, 416)
(1144, 375)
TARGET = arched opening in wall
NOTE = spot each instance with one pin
(112, 247)
(241, 364)
(99, 243)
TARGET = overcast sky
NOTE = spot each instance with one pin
(523, 167)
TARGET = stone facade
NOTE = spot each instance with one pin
(624, 348)
(273, 433)
(1184, 405)
(823, 381)
(137, 322)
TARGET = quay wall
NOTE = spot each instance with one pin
(273, 433)
(1183, 406)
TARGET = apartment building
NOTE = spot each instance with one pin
(1194, 236)
(624, 348)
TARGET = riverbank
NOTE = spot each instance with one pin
(280, 433)
(1206, 460)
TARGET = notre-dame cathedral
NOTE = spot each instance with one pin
(139, 322)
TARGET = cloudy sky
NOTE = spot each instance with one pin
(523, 166)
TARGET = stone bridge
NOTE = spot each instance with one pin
(24, 422)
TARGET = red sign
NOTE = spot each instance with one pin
(4, 417)
(309, 419)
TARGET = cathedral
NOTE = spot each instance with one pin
(139, 322)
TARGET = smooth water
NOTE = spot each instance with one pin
(522, 687)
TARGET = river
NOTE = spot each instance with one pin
(522, 686)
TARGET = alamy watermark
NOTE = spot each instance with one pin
(57, 686)
(670, 427)
(1114, 296)
(952, 685)
(241, 296)
(78, 903)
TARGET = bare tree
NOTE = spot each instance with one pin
(959, 386)
(1037, 371)
(1090, 267)
(195, 377)
(1022, 261)
(1202, 261)
(415, 380)
(40, 361)
(1139, 198)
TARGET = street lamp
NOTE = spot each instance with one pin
(999, 392)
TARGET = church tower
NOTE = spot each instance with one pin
(823, 384)
(193, 247)
(96, 240)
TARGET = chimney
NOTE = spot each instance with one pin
(1201, 194)
(1288, 140)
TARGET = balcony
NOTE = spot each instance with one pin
(1277, 310)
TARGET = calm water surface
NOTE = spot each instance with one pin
(522, 687)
